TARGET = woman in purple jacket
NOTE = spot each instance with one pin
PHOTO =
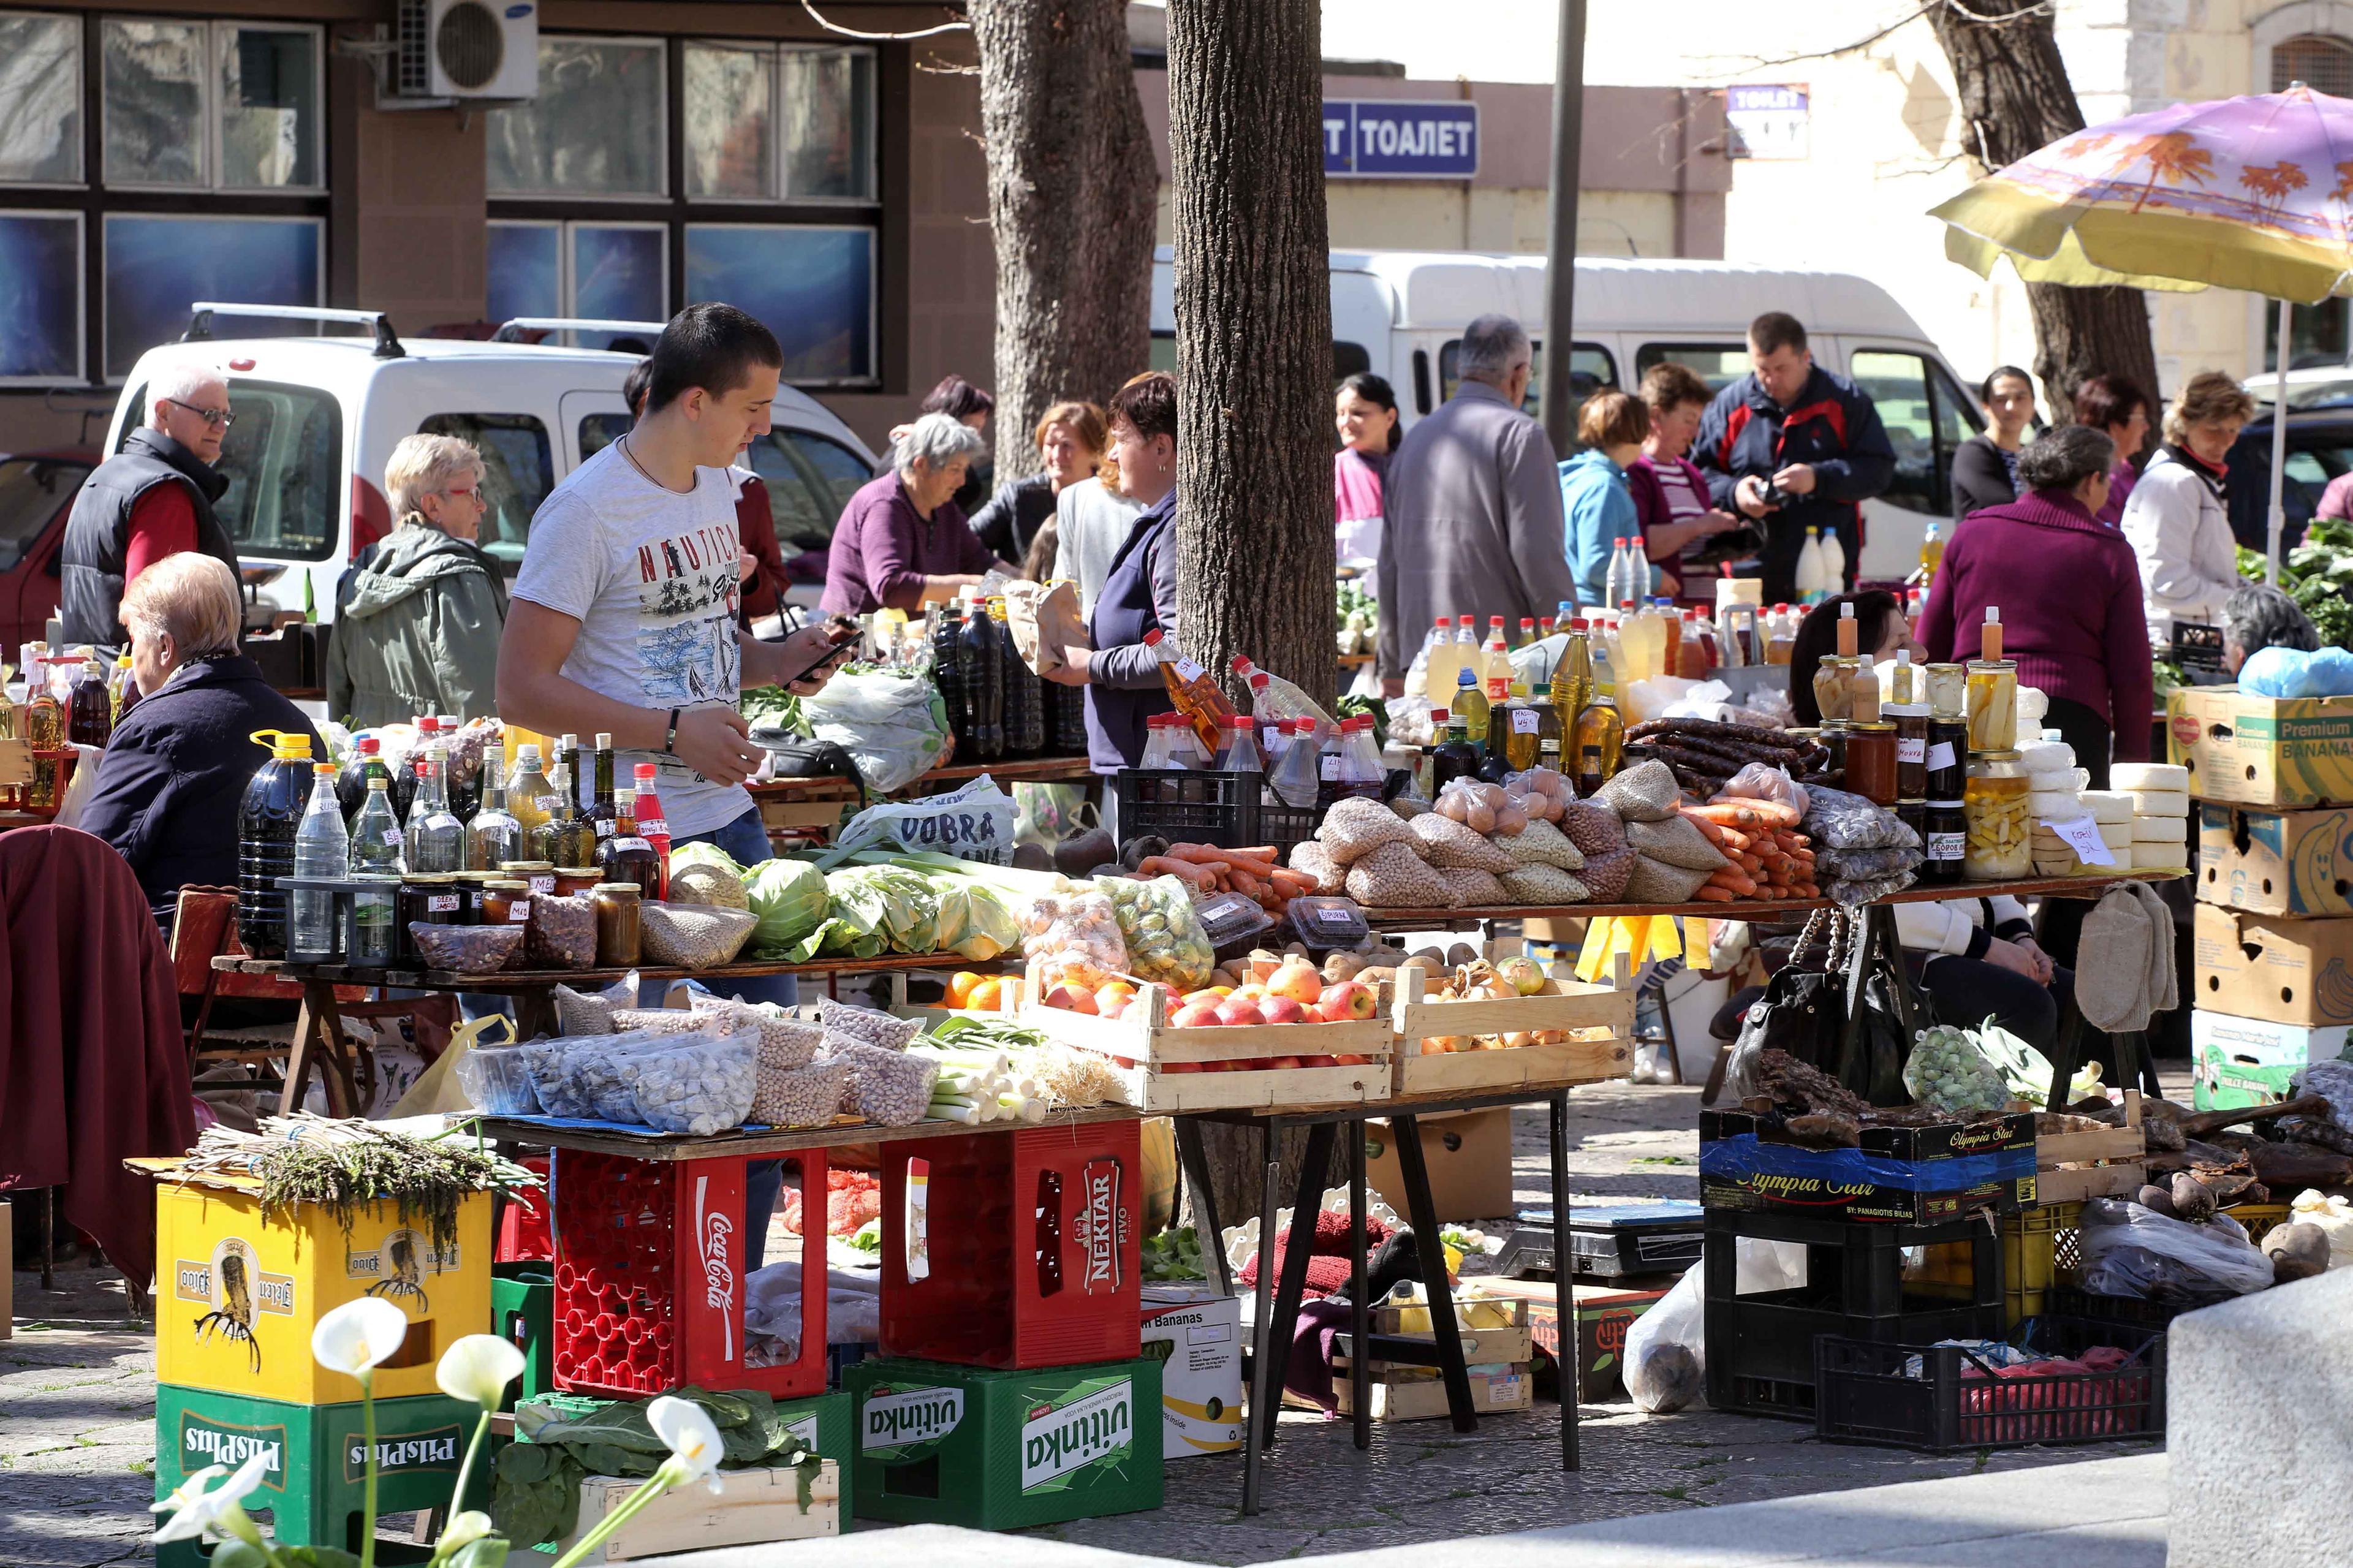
(1671, 498)
(2069, 591)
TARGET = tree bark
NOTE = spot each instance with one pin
(1255, 545)
(2015, 98)
(1071, 191)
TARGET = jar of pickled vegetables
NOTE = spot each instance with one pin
(1834, 681)
(1947, 690)
(1993, 704)
(1993, 807)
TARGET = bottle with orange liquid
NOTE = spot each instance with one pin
(1196, 696)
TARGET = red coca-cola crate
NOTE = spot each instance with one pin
(1013, 1249)
(522, 1234)
(649, 1280)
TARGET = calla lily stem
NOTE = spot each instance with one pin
(367, 1420)
(466, 1469)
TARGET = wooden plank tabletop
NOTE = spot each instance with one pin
(1762, 910)
(665, 1148)
(535, 979)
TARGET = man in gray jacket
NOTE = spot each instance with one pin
(1472, 525)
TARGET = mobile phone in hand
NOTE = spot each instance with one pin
(840, 630)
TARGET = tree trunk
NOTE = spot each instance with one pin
(1255, 544)
(1071, 191)
(2015, 98)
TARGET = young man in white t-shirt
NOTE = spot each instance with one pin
(623, 617)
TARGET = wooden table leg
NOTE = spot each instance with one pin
(2066, 1053)
(1422, 1211)
(1263, 1383)
(342, 1072)
(1564, 1303)
(1195, 1162)
(1360, 1314)
(1298, 1252)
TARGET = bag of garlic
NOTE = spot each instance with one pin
(806, 1096)
(702, 1087)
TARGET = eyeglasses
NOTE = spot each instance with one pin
(469, 493)
(218, 419)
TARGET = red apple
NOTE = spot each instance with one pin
(1195, 1017)
(1287, 1062)
(1347, 1003)
(1282, 1010)
(1071, 999)
(1235, 1012)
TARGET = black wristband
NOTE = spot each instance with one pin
(670, 739)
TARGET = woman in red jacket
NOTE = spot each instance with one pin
(2069, 592)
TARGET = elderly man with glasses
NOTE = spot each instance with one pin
(152, 499)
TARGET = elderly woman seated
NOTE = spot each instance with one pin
(173, 775)
(2256, 616)
(902, 544)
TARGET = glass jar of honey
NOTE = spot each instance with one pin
(506, 901)
(619, 933)
(1870, 764)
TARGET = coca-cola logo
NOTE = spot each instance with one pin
(718, 1278)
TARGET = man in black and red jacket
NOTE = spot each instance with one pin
(1795, 447)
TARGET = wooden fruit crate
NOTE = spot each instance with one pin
(1167, 1069)
(1602, 1016)
(2110, 1163)
(756, 1506)
(1511, 1344)
(899, 1006)
(1416, 1393)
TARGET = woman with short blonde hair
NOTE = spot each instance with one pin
(1072, 437)
(2177, 519)
(425, 470)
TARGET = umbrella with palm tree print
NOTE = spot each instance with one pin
(2241, 193)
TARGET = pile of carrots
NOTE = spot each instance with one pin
(1253, 873)
(1770, 858)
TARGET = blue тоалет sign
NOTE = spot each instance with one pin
(1391, 139)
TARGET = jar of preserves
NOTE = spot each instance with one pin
(1911, 721)
(1944, 842)
(1870, 761)
(425, 898)
(1949, 757)
(1947, 690)
(1913, 814)
(571, 879)
(619, 939)
(1834, 682)
(1999, 846)
(469, 893)
(506, 901)
(1833, 736)
(538, 875)
(1993, 704)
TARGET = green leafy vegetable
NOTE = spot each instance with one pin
(773, 705)
(867, 1237)
(1172, 1256)
(791, 899)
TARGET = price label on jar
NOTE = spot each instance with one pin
(548, 803)
(1914, 749)
(605, 828)
(2083, 836)
(392, 836)
(1331, 768)
(1524, 721)
(1189, 670)
(518, 911)
(1941, 755)
(441, 903)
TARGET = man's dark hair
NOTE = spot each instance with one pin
(715, 347)
(1149, 403)
(634, 385)
(1775, 329)
(959, 399)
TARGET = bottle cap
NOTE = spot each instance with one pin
(604, 741)
(526, 751)
(1464, 678)
(625, 801)
(646, 770)
(369, 745)
(1440, 715)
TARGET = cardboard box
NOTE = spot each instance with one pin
(1469, 1155)
(2248, 1061)
(1195, 1334)
(1415, 1393)
(2262, 750)
(1604, 1314)
(2276, 862)
(2282, 971)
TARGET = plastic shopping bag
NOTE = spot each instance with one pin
(974, 822)
(895, 726)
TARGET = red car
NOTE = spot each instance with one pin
(37, 492)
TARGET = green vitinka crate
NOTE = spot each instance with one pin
(822, 1421)
(1000, 1450)
(522, 1309)
(312, 1488)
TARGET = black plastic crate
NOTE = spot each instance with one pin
(2128, 1311)
(1191, 805)
(1285, 825)
(1937, 1399)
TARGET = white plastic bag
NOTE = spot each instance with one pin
(973, 822)
(895, 726)
(2334, 1216)
(1666, 1349)
(2130, 1250)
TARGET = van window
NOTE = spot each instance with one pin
(1718, 364)
(1591, 368)
(598, 431)
(284, 459)
(810, 479)
(518, 470)
(1926, 416)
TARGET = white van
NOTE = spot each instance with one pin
(317, 418)
(1402, 314)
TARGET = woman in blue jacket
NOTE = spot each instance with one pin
(1598, 507)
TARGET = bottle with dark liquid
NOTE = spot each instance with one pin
(626, 855)
(981, 669)
(90, 716)
(947, 675)
(1454, 757)
(268, 819)
(1025, 698)
(602, 813)
(352, 783)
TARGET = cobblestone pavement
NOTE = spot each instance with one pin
(76, 1411)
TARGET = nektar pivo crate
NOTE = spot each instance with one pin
(1000, 1450)
(1900, 1175)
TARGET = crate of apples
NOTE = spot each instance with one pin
(1283, 1037)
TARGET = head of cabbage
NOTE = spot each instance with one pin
(706, 874)
(790, 898)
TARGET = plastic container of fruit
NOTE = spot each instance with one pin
(1232, 923)
(1329, 922)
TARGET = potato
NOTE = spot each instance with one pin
(1341, 966)
(2157, 1200)
(1375, 977)
(1435, 954)
(2192, 1199)
(2297, 1251)
(1298, 948)
(1461, 952)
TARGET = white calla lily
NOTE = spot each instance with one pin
(188, 1490)
(463, 1532)
(694, 1442)
(478, 1368)
(206, 1514)
(359, 1336)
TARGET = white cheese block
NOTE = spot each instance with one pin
(2058, 780)
(2107, 804)
(2158, 857)
(2117, 835)
(2159, 803)
(2056, 806)
(2148, 776)
(2044, 756)
(2172, 830)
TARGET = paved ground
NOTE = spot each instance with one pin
(77, 1404)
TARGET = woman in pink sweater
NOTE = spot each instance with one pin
(2069, 592)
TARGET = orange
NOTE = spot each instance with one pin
(986, 996)
(961, 985)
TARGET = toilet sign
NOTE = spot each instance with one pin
(1380, 138)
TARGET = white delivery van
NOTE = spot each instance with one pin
(1402, 314)
(317, 418)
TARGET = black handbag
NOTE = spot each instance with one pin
(797, 757)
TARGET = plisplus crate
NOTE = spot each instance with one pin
(1013, 1249)
(1002, 1450)
(317, 1454)
(236, 1295)
(649, 1278)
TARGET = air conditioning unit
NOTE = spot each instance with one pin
(461, 50)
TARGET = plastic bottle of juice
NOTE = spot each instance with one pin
(1781, 635)
(1439, 660)
(1157, 754)
(1296, 777)
(1642, 637)
(1238, 747)
(1470, 705)
(1572, 680)
(1361, 773)
(1271, 696)
(1495, 655)
(1189, 688)
(1932, 552)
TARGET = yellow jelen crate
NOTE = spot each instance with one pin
(236, 1299)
